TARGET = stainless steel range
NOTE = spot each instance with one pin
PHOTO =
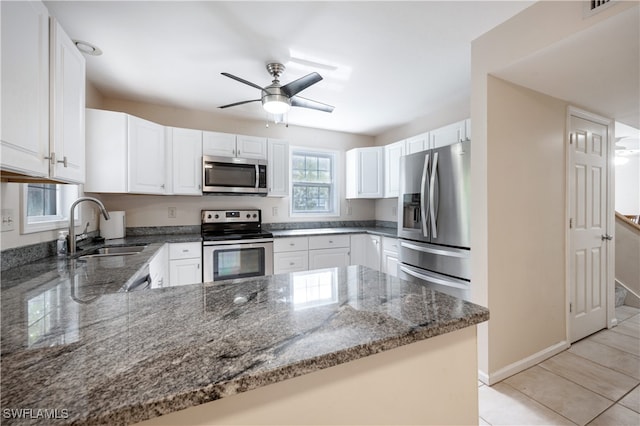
(234, 245)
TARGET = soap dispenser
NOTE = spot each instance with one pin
(62, 243)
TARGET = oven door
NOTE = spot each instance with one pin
(234, 175)
(224, 260)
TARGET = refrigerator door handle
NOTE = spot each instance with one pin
(423, 187)
(432, 190)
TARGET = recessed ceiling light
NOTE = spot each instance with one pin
(88, 48)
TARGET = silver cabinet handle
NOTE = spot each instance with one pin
(606, 237)
(423, 187)
(64, 161)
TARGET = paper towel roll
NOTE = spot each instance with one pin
(114, 227)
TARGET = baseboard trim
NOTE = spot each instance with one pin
(523, 364)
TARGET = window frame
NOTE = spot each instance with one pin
(335, 188)
(66, 194)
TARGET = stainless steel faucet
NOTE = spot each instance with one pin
(72, 222)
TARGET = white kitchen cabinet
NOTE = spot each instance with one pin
(278, 168)
(328, 258)
(185, 263)
(25, 88)
(67, 145)
(449, 134)
(158, 267)
(186, 160)
(147, 157)
(389, 260)
(366, 250)
(125, 154)
(290, 261)
(329, 241)
(229, 145)
(290, 244)
(365, 173)
(43, 83)
(417, 143)
(392, 154)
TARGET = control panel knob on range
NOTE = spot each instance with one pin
(217, 216)
(208, 216)
(255, 215)
(248, 216)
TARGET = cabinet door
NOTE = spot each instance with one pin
(25, 87)
(392, 154)
(448, 135)
(278, 168)
(146, 157)
(417, 143)
(290, 244)
(218, 144)
(467, 129)
(251, 147)
(390, 263)
(186, 158)
(67, 114)
(290, 261)
(365, 250)
(106, 151)
(185, 271)
(158, 267)
(365, 173)
(328, 258)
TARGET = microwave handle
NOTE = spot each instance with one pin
(257, 176)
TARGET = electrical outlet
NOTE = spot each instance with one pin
(8, 220)
(394, 211)
(349, 209)
(172, 212)
(274, 211)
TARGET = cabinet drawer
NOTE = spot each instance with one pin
(390, 245)
(290, 262)
(184, 250)
(329, 241)
(290, 244)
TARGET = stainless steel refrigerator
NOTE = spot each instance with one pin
(433, 222)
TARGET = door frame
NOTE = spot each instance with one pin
(610, 220)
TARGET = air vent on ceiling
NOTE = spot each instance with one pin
(592, 7)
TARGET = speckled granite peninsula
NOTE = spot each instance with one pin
(120, 358)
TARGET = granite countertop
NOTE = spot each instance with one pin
(378, 230)
(120, 358)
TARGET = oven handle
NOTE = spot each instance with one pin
(235, 242)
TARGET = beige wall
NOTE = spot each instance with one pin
(513, 169)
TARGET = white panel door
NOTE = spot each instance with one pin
(290, 261)
(25, 87)
(417, 143)
(67, 113)
(218, 144)
(186, 168)
(448, 135)
(588, 235)
(328, 258)
(185, 271)
(278, 168)
(251, 147)
(392, 154)
(146, 157)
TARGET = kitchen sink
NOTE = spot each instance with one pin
(113, 251)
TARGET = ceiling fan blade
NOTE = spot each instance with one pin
(239, 103)
(241, 80)
(297, 101)
(297, 86)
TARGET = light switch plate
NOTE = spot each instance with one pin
(8, 220)
(172, 213)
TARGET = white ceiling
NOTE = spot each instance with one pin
(383, 63)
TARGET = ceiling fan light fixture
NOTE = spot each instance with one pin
(276, 104)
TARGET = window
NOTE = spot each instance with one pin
(313, 185)
(46, 206)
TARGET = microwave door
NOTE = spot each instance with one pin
(450, 195)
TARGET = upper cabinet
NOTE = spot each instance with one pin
(278, 168)
(229, 145)
(185, 146)
(43, 80)
(450, 134)
(124, 154)
(392, 154)
(417, 143)
(365, 173)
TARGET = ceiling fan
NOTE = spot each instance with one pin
(278, 99)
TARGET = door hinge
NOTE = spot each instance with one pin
(570, 223)
(571, 138)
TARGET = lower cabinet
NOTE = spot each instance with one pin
(303, 253)
(365, 250)
(329, 258)
(390, 256)
(185, 263)
(291, 261)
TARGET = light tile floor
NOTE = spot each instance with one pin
(594, 382)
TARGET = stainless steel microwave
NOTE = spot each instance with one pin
(234, 176)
